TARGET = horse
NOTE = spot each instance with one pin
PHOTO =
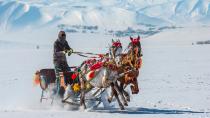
(98, 75)
(130, 61)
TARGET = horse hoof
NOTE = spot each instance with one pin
(109, 100)
(128, 99)
(122, 108)
(83, 107)
(126, 104)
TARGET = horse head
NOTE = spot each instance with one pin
(116, 46)
(135, 42)
(131, 78)
(134, 86)
(115, 51)
(135, 50)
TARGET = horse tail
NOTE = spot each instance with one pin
(37, 78)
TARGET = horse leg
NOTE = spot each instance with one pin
(124, 92)
(82, 96)
(112, 92)
(82, 99)
(116, 95)
(126, 95)
(116, 87)
(112, 95)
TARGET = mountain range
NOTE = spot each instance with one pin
(109, 14)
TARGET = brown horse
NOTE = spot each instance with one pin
(130, 61)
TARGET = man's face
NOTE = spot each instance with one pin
(63, 36)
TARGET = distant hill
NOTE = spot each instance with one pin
(110, 14)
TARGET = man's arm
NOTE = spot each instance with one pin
(57, 51)
(68, 49)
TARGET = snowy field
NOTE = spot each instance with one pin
(174, 79)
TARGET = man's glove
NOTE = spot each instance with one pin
(69, 52)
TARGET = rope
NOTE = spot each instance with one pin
(73, 67)
(82, 54)
(87, 56)
(87, 53)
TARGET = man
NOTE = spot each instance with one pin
(61, 48)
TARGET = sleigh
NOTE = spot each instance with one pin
(46, 78)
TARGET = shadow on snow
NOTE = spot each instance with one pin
(138, 110)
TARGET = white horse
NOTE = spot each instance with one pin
(101, 77)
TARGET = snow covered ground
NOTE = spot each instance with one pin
(174, 79)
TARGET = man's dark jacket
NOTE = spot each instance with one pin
(59, 58)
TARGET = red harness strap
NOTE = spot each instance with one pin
(96, 66)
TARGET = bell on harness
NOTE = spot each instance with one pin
(76, 87)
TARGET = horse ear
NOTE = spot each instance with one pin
(112, 40)
(138, 38)
(131, 38)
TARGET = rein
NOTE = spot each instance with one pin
(83, 54)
